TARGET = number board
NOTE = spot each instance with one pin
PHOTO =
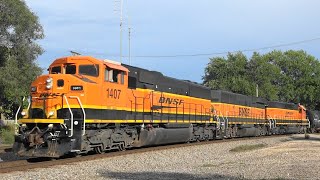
(76, 88)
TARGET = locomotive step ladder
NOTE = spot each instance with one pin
(71, 128)
(221, 125)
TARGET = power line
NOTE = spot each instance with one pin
(226, 52)
(220, 53)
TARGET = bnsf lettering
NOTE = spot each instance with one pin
(244, 112)
(170, 101)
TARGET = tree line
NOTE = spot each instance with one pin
(290, 76)
(19, 31)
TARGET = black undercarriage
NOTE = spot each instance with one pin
(44, 140)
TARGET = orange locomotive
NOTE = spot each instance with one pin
(87, 104)
(252, 116)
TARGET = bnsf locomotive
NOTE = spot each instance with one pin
(85, 104)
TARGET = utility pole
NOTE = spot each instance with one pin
(129, 46)
(119, 4)
(129, 36)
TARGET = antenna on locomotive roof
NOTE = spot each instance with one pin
(75, 53)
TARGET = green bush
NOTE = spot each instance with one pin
(7, 134)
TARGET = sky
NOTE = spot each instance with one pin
(174, 28)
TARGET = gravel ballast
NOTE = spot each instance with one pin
(280, 158)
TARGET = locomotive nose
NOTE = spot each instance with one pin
(47, 94)
(49, 83)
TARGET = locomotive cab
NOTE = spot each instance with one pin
(74, 91)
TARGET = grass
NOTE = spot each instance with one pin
(7, 134)
(247, 147)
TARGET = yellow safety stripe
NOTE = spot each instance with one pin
(61, 121)
(173, 111)
(50, 121)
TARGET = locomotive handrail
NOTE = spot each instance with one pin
(226, 123)
(272, 121)
(309, 123)
(227, 118)
(71, 121)
(16, 117)
(29, 104)
(84, 113)
(218, 119)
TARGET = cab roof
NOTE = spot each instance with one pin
(86, 59)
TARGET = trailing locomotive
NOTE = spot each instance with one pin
(85, 104)
(313, 116)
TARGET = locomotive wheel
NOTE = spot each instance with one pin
(269, 133)
(300, 130)
(264, 131)
(234, 131)
(121, 147)
(98, 150)
(259, 133)
(228, 132)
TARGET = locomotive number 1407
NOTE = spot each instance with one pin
(113, 93)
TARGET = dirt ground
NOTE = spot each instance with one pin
(281, 157)
(291, 158)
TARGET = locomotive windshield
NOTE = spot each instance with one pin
(56, 70)
(71, 69)
(90, 70)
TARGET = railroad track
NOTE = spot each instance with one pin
(23, 165)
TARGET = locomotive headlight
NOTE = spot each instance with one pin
(23, 113)
(49, 80)
(49, 83)
(50, 126)
(51, 113)
(48, 86)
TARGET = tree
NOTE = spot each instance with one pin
(300, 79)
(265, 74)
(229, 74)
(19, 31)
(290, 76)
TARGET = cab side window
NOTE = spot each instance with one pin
(114, 75)
(122, 77)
